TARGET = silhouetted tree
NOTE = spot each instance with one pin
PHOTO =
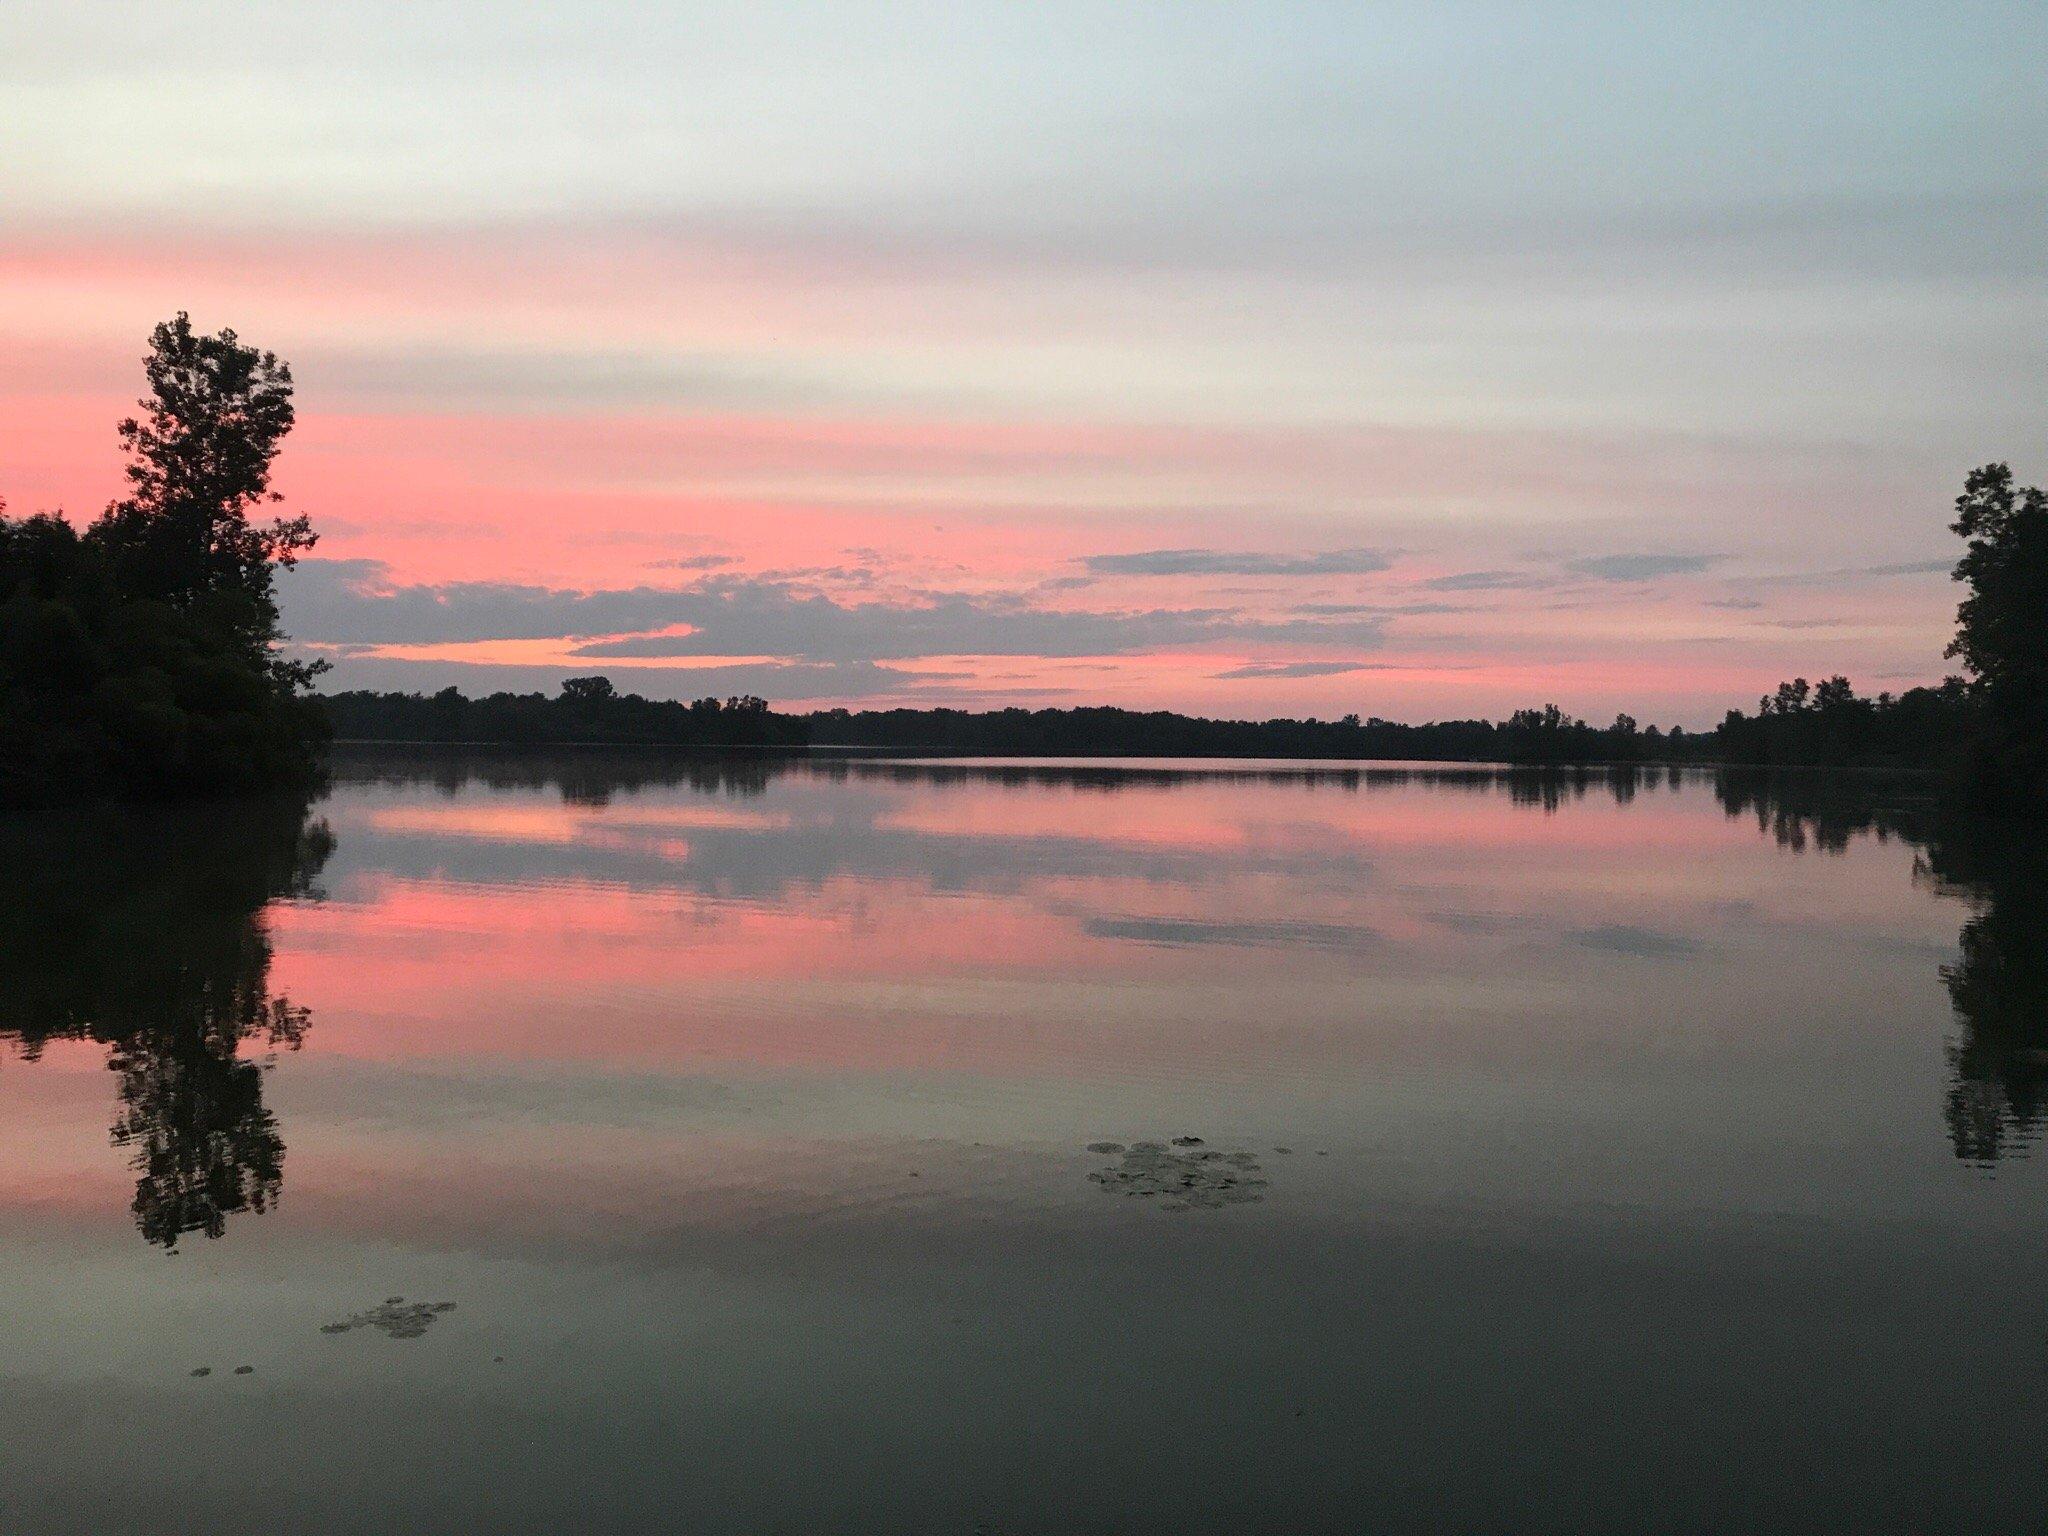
(199, 460)
(587, 690)
(2002, 634)
(1801, 724)
(142, 654)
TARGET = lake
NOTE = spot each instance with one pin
(601, 1142)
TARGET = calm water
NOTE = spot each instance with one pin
(1656, 1155)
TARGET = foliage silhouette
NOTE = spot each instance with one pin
(141, 655)
(1799, 725)
(1829, 726)
(1530, 736)
(1922, 728)
(588, 709)
(2002, 636)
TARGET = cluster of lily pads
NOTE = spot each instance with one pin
(396, 1318)
(1186, 1176)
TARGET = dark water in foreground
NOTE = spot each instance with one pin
(1655, 1155)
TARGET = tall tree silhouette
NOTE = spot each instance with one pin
(2002, 633)
(199, 461)
(142, 654)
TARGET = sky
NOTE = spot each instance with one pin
(1419, 360)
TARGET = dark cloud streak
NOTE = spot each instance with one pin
(1221, 562)
(1262, 669)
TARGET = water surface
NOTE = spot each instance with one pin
(1575, 1152)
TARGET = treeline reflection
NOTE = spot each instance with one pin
(1997, 1095)
(595, 776)
(1822, 806)
(143, 931)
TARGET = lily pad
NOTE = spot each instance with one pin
(397, 1318)
(1194, 1179)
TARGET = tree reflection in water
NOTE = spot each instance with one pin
(143, 930)
(1997, 1096)
(1998, 1062)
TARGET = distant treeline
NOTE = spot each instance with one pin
(1829, 726)
(1545, 735)
(591, 709)
(1800, 724)
(588, 709)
